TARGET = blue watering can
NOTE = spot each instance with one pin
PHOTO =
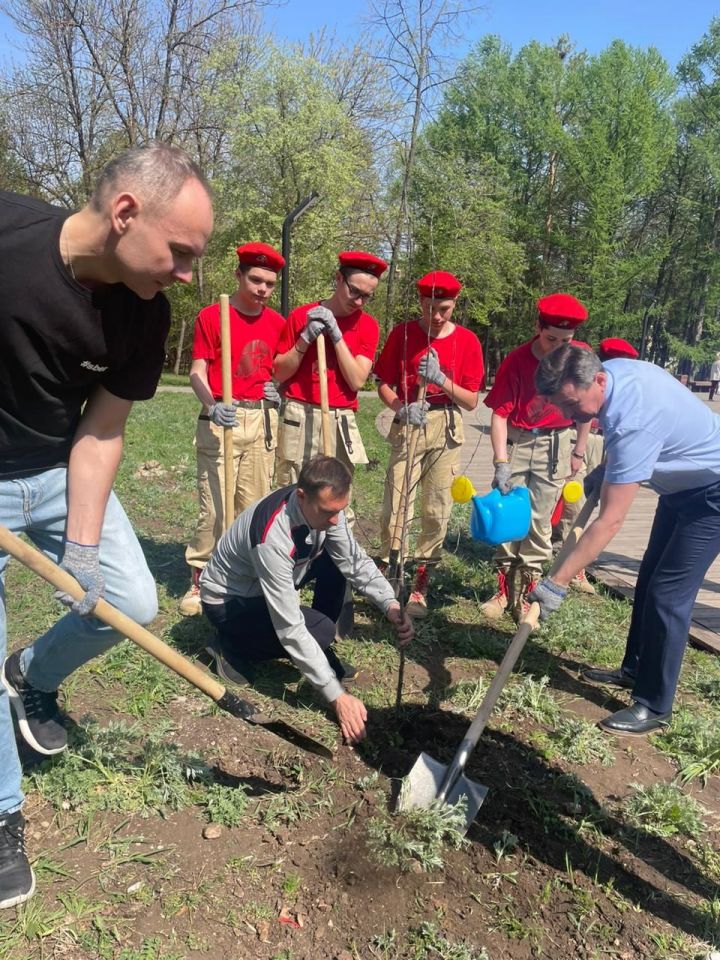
(495, 518)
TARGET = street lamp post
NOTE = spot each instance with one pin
(287, 227)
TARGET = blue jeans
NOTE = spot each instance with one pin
(37, 506)
(684, 541)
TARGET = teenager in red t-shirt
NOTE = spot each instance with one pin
(448, 358)
(351, 338)
(533, 445)
(254, 333)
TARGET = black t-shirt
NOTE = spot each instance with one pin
(59, 340)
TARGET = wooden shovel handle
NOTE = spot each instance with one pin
(226, 356)
(324, 402)
(44, 567)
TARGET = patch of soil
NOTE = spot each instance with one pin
(577, 882)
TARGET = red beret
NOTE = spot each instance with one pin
(439, 284)
(260, 255)
(359, 260)
(562, 310)
(614, 347)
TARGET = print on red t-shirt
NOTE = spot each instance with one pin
(253, 345)
(460, 356)
(360, 332)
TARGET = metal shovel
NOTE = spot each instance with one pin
(430, 781)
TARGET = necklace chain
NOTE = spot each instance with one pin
(69, 260)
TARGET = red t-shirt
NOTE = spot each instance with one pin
(460, 356)
(253, 345)
(513, 394)
(360, 332)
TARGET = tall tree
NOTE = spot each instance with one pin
(415, 36)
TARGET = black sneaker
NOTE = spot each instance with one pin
(237, 672)
(17, 881)
(343, 671)
(37, 713)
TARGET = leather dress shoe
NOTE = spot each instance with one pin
(635, 721)
(615, 677)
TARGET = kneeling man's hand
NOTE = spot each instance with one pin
(403, 625)
(352, 716)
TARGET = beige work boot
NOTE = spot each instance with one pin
(496, 606)
(522, 593)
(580, 582)
(190, 605)
(417, 607)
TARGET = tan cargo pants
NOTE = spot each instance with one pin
(531, 461)
(300, 439)
(253, 463)
(594, 455)
(437, 458)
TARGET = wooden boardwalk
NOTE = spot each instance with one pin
(618, 565)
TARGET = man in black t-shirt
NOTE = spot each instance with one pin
(83, 323)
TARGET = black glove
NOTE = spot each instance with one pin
(594, 481)
(82, 561)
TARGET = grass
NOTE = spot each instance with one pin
(417, 838)
(102, 801)
(665, 811)
(575, 741)
(693, 742)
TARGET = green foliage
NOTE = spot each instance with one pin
(693, 742)
(117, 768)
(417, 836)
(224, 805)
(663, 809)
(576, 741)
(425, 942)
(528, 697)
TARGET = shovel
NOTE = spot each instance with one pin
(225, 699)
(430, 781)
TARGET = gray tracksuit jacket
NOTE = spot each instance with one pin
(267, 552)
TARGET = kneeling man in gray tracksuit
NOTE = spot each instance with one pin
(249, 587)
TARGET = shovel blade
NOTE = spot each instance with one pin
(422, 786)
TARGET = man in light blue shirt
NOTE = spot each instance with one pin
(657, 432)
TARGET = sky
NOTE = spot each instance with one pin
(670, 26)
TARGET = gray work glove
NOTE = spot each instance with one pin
(270, 393)
(501, 480)
(413, 413)
(312, 329)
(223, 414)
(82, 562)
(549, 595)
(327, 317)
(594, 481)
(429, 369)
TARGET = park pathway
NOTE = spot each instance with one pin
(618, 565)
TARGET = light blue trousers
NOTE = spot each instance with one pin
(37, 506)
